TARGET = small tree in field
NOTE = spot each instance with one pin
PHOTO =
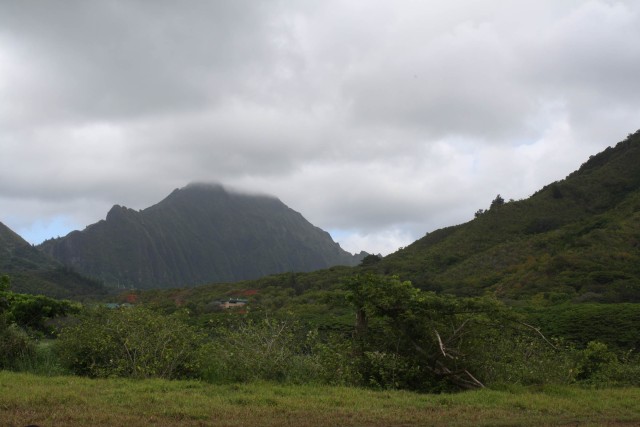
(408, 338)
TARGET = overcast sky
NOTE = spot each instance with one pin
(377, 120)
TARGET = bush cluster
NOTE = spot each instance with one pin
(136, 343)
(273, 350)
(15, 345)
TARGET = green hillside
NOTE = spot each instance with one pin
(575, 239)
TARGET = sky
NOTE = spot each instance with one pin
(378, 121)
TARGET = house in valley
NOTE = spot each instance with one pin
(232, 303)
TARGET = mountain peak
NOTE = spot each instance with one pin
(9, 238)
(118, 212)
(200, 233)
(195, 192)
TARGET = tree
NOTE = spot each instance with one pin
(371, 294)
(408, 338)
(497, 202)
(370, 260)
(33, 311)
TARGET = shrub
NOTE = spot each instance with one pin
(387, 370)
(336, 364)
(623, 370)
(132, 342)
(44, 361)
(272, 350)
(594, 359)
(513, 358)
(15, 345)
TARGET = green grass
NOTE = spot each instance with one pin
(74, 401)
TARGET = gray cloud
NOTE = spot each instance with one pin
(376, 120)
(118, 60)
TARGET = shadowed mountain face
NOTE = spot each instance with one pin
(199, 234)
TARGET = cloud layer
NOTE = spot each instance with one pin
(378, 121)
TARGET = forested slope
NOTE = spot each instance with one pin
(578, 238)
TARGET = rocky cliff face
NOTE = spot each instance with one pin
(199, 234)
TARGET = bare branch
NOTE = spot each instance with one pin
(457, 330)
(538, 331)
(442, 348)
(474, 379)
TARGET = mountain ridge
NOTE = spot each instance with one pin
(32, 271)
(198, 234)
(574, 238)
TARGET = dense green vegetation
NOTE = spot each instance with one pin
(133, 343)
(23, 318)
(233, 355)
(387, 334)
(613, 324)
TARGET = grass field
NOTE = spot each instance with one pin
(73, 401)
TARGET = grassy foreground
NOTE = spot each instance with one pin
(74, 401)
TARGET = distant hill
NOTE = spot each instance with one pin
(32, 271)
(199, 234)
(575, 239)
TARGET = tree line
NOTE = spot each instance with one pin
(402, 338)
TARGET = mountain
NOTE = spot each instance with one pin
(575, 239)
(199, 234)
(9, 242)
(32, 271)
(553, 258)
(17, 253)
